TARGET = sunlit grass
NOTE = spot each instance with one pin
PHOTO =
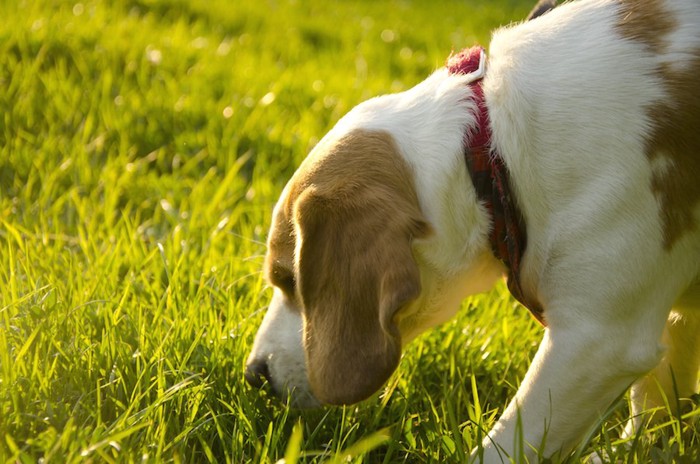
(142, 146)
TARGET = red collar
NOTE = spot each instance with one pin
(491, 180)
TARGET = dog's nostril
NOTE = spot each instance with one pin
(257, 373)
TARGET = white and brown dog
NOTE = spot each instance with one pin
(582, 135)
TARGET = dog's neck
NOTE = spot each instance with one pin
(491, 181)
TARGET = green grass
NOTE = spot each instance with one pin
(143, 144)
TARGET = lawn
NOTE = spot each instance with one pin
(143, 144)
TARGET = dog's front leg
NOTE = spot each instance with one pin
(573, 379)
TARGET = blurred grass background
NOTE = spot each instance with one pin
(142, 146)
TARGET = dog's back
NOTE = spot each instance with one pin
(608, 105)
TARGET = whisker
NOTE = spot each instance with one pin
(246, 320)
(249, 239)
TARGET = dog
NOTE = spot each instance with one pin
(567, 158)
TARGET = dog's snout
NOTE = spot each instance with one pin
(257, 373)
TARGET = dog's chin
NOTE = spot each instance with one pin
(299, 399)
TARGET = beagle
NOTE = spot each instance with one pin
(567, 159)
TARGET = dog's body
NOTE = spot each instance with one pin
(595, 111)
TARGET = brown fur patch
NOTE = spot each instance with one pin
(645, 21)
(279, 261)
(677, 137)
(352, 211)
(676, 120)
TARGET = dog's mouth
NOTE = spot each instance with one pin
(258, 375)
(294, 397)
(300, 400)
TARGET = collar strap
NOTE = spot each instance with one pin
(489, 174)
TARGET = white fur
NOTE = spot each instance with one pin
(428, 123)
(568, 99)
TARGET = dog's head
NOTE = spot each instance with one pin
(359, 261)
(339, 257)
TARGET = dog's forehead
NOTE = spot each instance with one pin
(307, 174)
(341, 165)
(281, 240)
(343, 162)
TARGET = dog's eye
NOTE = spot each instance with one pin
(284, 280)
(288, 285)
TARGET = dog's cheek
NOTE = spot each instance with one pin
(278, 346)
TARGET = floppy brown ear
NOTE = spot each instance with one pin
(542, 7)
(355, 271)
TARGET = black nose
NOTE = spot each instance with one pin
(257, 373)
